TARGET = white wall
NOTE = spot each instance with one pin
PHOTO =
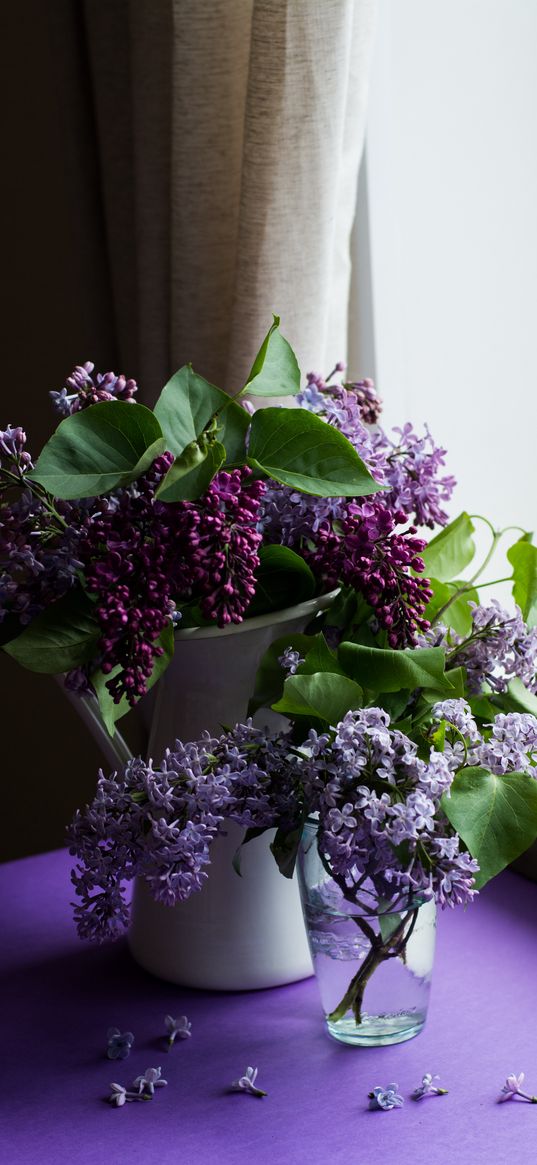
(450, 190)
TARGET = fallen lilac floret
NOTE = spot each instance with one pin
(512, 1088)
(150, 1080)
(180, 1028)
(119, 1044)
(247, 1083)
(385, 1098)
(427, 1088)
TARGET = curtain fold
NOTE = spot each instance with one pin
(230, 139)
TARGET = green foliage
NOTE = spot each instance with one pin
(275, 370)
(324, 696)
(99, 449)
(282, 579)
(496, 816)
(454, 612)
(186, 407)
(191, 473)
(62, 637)
(298, 449)
(450, 551)
(285, 850)
(111, 712)
(386, 670)
(523, 559)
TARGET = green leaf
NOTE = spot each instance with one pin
(285, 850)
(496, 816)
(385, 670)
(517, 698)
(523, 559)
(324, 695)
(101, 448)
(62, 637)
(298, 449)
(450, 552)
(275, 371)
(282, 579)
(270, 676)
(111, 712)
(458, 614)
(186, 407)
(320, 658)
(192, 472)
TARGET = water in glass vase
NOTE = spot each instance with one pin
(373, 970)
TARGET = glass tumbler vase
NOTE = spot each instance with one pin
(373, 965)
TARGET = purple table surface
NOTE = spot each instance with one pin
(59, 996)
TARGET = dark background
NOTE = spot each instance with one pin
(56, 312)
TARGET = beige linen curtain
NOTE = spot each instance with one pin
(230, 134)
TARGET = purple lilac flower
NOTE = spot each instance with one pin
(511, 746)
(409, 464)
(513, 1087)
(148, 1081)
(385, 1098)
(180, 1028)
(125, 554)
(499, 647)
(428, 1087)
(361, 824)
(119, 1044)
(39, 555)
(160, 823)
(370, 556)
(247, 1083)
(14, 457)
(290, 660)
(81, 389)
(220, 553)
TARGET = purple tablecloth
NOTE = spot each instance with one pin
(59, 996)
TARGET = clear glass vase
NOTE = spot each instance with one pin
(373, 964)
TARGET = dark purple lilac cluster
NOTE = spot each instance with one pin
(125, 551)
(82, 389)
(160, 823)
(141, 557)
(367, 553)
(219, 556)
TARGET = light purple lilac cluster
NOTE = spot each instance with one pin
(160, 823)
(359, 543)
(374, 794)
(82, 389)
(409, 464)
(38, 544)
(382, 830)
(499, 647)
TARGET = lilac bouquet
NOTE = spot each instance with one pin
(411, 700)
(132, 523)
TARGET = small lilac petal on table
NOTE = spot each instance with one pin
(512, 1088)
(119, 1044)
(180, 1028)
(427, 1088)
(386, 1098)
(247, 1083)
(151, 1079)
